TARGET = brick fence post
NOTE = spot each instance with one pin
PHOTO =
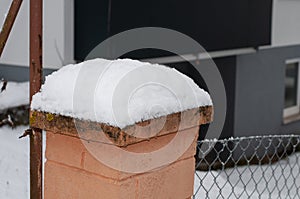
(71, 171)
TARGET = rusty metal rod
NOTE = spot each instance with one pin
(36, 61)
(9, 22)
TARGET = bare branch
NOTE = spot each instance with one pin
(4, 84)
(26, 133)
(8, 121)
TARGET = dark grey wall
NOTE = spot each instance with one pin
(227, 68)
(18, 73)
(216, 25)
(260, 92)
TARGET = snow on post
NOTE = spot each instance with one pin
(158, 91)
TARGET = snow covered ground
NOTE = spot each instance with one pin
(15, 94)
(14, 152)
(14, 164)
(267, 181)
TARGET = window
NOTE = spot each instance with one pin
(292, 88)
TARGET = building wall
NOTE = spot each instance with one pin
(260, 92)
(18, 73)
(216, 25)
(286, 22)
(58, 34)
(227, 68)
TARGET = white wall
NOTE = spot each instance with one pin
(3, 11)
(286, 22)
(58, 34)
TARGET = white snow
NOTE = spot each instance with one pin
(16, 94)
(14, 164)
(119, 92)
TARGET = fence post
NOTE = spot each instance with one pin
(73, 170)
(36, 61)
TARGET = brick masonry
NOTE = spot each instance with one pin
(71, 171)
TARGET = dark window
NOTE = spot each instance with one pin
(291, 98)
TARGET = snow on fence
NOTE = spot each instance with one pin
(248, 167)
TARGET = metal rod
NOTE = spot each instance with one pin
(9, 22)
(36, 61)
(36, 175)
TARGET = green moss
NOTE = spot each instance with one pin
(32, 118)
(49, 117)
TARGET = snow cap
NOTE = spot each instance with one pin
(118, 92)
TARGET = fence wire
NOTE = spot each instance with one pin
(248, 167)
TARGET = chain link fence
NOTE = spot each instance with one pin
(248, 167)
